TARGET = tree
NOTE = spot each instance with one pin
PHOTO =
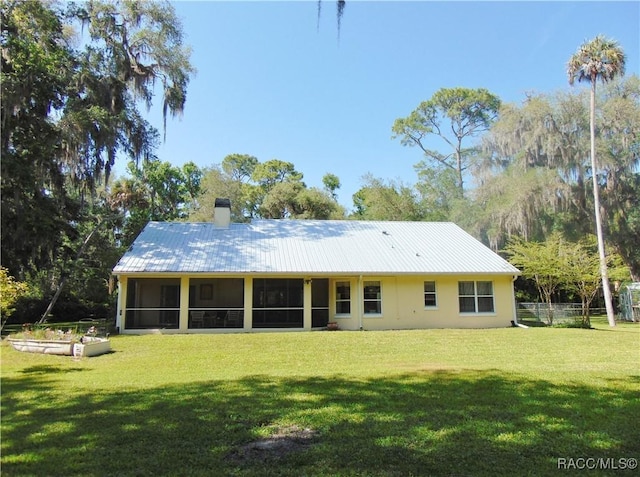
(331, 184)
(280, 193)
(465, 112)
(239, 167)
(619, 161)
(279, 202)
(438, 195)
(156, 191)
(143, 42)
(132, 46)
(542, 262)
(10, 292)
(378, 200)
(313, 203)
(232, 180)
(583, 272)
(67, 113)
(523, 203)
(534, 173)
(35, 73)
(602, 59)
(624, 222)
(560, 264)
(273, 190)
(268, 174)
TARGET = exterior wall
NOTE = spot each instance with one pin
(402, 304)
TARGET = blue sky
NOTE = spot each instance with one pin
(274, 83)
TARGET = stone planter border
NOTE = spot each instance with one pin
(89, 347)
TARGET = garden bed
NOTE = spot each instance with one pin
(88, 346)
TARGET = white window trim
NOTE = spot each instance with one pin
(372, 315)
(475, 297)
(350, 300)
(435, 293)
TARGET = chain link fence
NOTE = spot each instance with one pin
(541, 314)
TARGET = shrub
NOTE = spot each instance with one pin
(10, 292)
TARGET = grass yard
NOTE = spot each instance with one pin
(394, 403)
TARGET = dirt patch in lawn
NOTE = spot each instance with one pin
(285, 441)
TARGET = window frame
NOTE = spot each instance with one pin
(433, 293)
(366, 300)
(477, 297)
(338, 299)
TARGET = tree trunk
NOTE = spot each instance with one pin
(65, 276)
(586, 320)
(547, 296)
(459, 167)
(596, 199)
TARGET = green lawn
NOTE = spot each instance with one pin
(430, 402)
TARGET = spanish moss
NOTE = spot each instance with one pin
(340, 4)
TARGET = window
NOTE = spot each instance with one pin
(343, 298)
(430, 295)
(475, 297)
(372, 298)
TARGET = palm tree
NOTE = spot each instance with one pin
(603, 59)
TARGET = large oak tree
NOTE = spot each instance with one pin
(74, 78)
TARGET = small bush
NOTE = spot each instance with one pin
(10, 292)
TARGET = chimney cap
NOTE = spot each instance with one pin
(223, 203)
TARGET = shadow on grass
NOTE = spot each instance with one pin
(429, 423)
(48, 370)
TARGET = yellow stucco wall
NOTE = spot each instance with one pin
(402, 303)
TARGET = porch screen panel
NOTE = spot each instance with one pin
(216, 303)
(278, 302)
(319, 302)
(153, 303)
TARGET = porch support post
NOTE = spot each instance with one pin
(306, 314)
(248, 303)
(121, 306)
(184, 304)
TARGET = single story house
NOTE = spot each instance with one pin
(302, 274)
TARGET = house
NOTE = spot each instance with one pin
(301, 274)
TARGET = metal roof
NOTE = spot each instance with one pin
(310, 247)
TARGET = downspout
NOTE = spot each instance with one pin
(515, 310)
(360, 303)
